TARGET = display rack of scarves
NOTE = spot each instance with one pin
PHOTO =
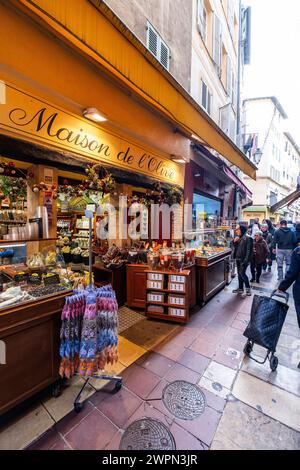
(89, 332)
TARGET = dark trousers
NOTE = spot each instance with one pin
(256, 270)
(297, 306)
(268, 263)
(242, 276)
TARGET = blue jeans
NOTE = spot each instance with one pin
(283, 255)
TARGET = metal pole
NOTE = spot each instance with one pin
(90, 253)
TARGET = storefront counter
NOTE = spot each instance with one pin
(29, 341)
(211, 275)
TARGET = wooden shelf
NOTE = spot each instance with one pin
(6, 222)
(167, 290)
(185, 272)
(166, 316)
(165, 304)
(10, 242)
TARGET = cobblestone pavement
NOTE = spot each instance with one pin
(246, 405)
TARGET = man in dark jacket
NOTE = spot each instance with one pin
(285, 241)
(243, 252)
(293, 275)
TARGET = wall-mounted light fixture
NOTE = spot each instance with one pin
(177, 159)
(94, 115)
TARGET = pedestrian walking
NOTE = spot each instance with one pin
(271, 227)
(293, 276)
(284, 241)
(259, 258)
(254, 228)
(268, 237)
(243, 251)
(297, 233)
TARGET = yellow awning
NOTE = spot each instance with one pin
(98, 34)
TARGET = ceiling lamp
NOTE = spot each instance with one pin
(94, 115)
(177, 159)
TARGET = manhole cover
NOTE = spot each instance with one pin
(184, 399)
(145, 434)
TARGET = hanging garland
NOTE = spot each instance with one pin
(99, 179)
(12, 188)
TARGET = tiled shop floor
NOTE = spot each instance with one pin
(247, 405)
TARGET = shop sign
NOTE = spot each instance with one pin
(36, 120)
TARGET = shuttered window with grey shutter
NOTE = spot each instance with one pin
(157, 46)
(230, 16)
(201, 18)
(217, 43)
(206, 99)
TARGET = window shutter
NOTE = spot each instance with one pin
(225, 119)
(230, 15)
(152, 41)
(208, 102)
(217, 43)
(164, 55)
(204, 95)
(158, 47)
(229, 78)
(233, 91)
(201, 17)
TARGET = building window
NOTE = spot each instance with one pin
(202, 20)
(217, 44)
(157, 46)
(230, 17)
(206, 98)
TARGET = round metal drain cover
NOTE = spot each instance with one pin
(184, 399)
(146, 434)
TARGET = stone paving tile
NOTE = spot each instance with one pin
(157, 363)
(120, 406)
(228, 356)
(289, 357)
(72, 419)
(203, 427)
(128, 351)
(283, 377)
(286, 341)
(235, 335)
(271, 400)
(292, 330)
(239, 325)
(220, 374)
(148, 334)
(147, 410)
(20, 432)
(154, 399)
(49, 441)
(203, 347)
(62, 405)
(114, 444)
(184, 440)
(185, 337)
(243, 427)
(216, 329)
(194, 361)
(214, 387)
(169, 349)
(92, 433)
(139, 380)
(180, 372)
(213, 401)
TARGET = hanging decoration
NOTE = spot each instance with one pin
(12, 188)
(99, 179)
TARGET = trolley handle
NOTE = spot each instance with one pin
(283, 295)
